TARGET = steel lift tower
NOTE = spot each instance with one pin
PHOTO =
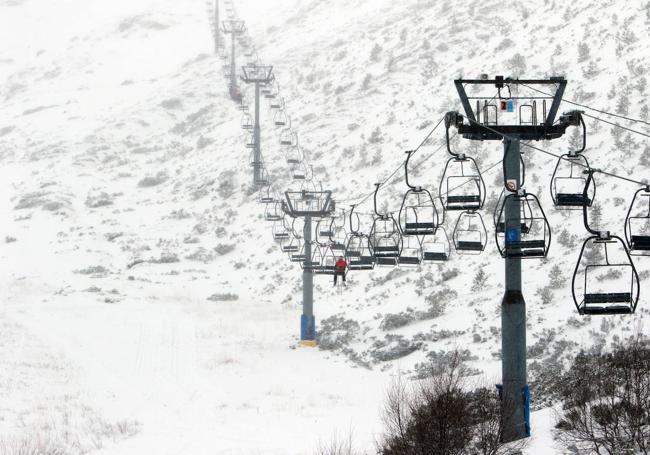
(234, 28)
(483, 125)
(217, 32)
(308, 204)
(259, 75)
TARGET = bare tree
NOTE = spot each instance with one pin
(442, 415)
(606, 400)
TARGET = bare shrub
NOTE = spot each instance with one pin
(442, 415)
(606, 400)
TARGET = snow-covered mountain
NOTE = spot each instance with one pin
(145, 307)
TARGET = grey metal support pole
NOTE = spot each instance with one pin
(307, 321)
(233, 70)
(217, 34)
(257, 157)
(513, 315)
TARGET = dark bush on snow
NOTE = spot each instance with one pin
(606, 400)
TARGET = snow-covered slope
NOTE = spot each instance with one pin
(145, 307)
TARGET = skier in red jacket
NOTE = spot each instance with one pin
(339, 269)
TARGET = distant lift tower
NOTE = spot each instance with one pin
(259, 75)
(483, 124)
(308, 204)
(217, 32)
(234, 28)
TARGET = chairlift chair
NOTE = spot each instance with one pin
(568, 182)
(338, 238)
(418, 214)
(637, 223)
(411, 254)
(462, 186)
(526, 214)
(277, 102)
(298, 171)
(385, 238)
(605, 280)
(270, 91)
(246, 122)
(288, 137)
(528, 237)
(470, 234)
(290, 245)
(266, 195)
(281, 118)
(324, 229)
(273, 211)
(327, 265)
(299, 255)
(357, 253)
(357, 249)
(313, 262)
(263, 178)
(250, 141)
(294, 155)
(280, 231)
(436, 247)
(235, 93)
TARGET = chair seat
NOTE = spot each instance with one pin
(571, 200)
(469, 246)
(409, 260)
(612, 297)
(524, 228)
(641, 242)
(611, 309)
(392, 261)
(430, 256)
(463, 198)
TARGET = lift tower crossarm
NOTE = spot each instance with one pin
(542, 131)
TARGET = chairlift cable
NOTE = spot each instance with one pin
(631, 119)
(539, 149)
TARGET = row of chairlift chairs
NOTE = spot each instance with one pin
(605, 280)
(419, 236)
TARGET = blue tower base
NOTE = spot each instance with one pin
(307, 328)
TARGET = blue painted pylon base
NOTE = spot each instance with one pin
(307, 327)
